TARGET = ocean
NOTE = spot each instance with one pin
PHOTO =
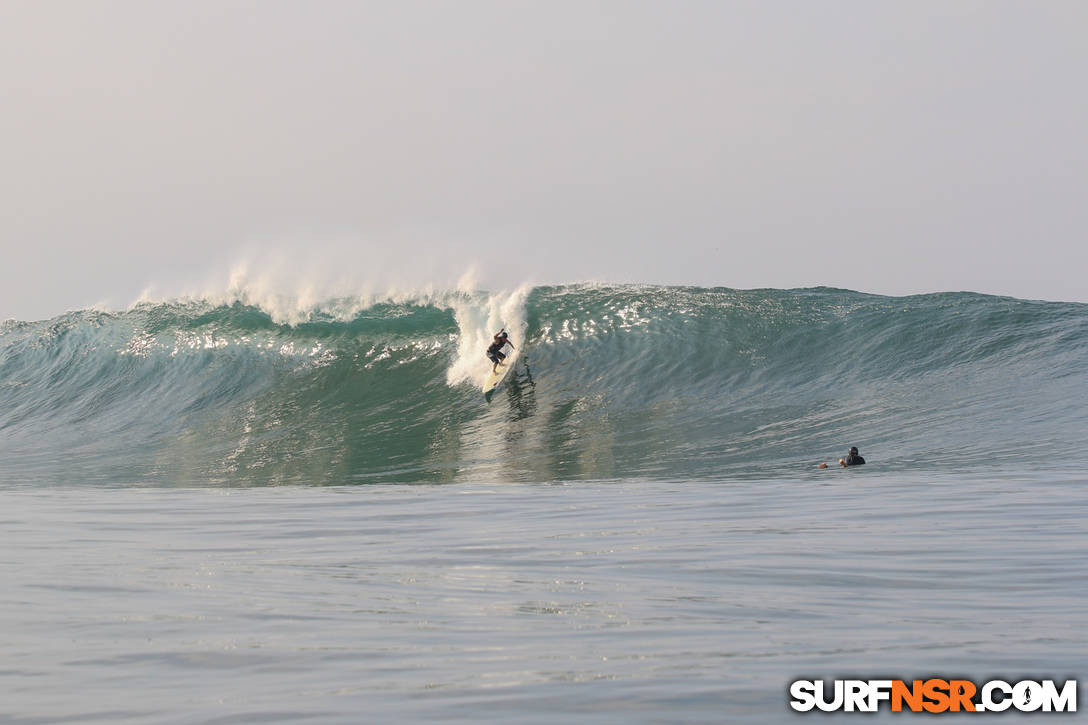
(242, 509)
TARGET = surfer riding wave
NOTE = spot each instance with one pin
(494, 351)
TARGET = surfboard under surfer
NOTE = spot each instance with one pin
(494, 351)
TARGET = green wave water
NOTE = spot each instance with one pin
(613, 382)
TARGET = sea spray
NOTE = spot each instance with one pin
(478, 318)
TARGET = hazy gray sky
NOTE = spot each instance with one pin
(892, 147)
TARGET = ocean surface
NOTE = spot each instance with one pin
(243, 509)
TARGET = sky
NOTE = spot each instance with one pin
(157, 148)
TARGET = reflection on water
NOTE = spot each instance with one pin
(620, 602)
(521, 392)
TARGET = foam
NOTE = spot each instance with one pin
(479, 317)
(292, 291)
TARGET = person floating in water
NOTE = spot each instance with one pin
(852, 459)
(494, 351)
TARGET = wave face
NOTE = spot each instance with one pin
(612, 382)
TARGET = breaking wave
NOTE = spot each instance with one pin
(612, 382)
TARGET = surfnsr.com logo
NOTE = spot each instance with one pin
(934, 695)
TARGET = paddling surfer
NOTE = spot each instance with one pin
(852, 459)
(494, 351)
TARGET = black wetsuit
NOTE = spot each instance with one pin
(853, 459)
(494, 351)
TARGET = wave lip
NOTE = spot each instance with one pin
(613, 382)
